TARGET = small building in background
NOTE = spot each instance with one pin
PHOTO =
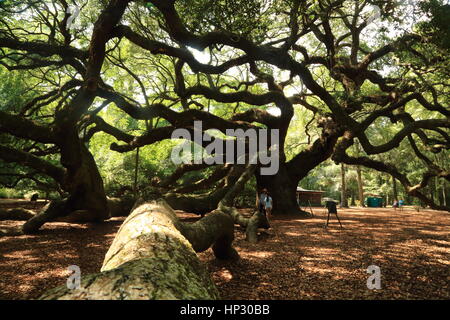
(309, 197)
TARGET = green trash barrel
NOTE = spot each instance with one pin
(373, 202)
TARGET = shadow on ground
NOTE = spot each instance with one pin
(300, 259)
(296, 259)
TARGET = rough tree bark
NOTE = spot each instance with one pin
(283, 190)
(17, 214)
(153, 257)
(344, 200)
(257, 220)
(283, 185)
(444, 196)
(394, 188)
(87, 200)
(204, 203)
(360, 187)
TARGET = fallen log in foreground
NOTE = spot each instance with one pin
(150, 258)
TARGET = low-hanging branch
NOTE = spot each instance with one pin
(251, 224)
(218, 174)
(432, 167)
(340, 155)
(206, 202)
(403, 133)
(180, 171)
(8, 154)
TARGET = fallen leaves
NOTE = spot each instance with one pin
(296, 259)
(303, 260)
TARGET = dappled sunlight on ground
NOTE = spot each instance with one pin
(309, 261)
(296, 259)
(31, 264)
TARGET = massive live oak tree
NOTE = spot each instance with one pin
(345, 65)
(357, 84)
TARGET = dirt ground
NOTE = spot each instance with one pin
(296, 259)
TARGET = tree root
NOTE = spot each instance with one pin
(120, 207)
(251, 225)
(11, 232)
(49, 213)
(18, 214)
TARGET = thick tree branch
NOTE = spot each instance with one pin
(26, 159)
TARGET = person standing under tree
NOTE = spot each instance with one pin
(262, 201)
(268, 206)
(400, 204)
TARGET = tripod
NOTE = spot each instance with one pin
(332, 209)
(310, 208)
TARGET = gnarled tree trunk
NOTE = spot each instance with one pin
(282, 188)
(283, 185)
(394, 188)
(251, 225)
(344, 200)
(204, 203)
(360, 186)
(87, 199)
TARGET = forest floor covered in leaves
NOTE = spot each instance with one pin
(296, 259)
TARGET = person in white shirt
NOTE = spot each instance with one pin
(262, 201)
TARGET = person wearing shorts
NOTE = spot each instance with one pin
(395, 205)
(268, 206)
(262, 201)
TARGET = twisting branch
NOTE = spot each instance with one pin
(12, 155)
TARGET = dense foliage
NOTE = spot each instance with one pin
(359, 82)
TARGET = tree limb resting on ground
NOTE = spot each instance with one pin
(152, 257)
